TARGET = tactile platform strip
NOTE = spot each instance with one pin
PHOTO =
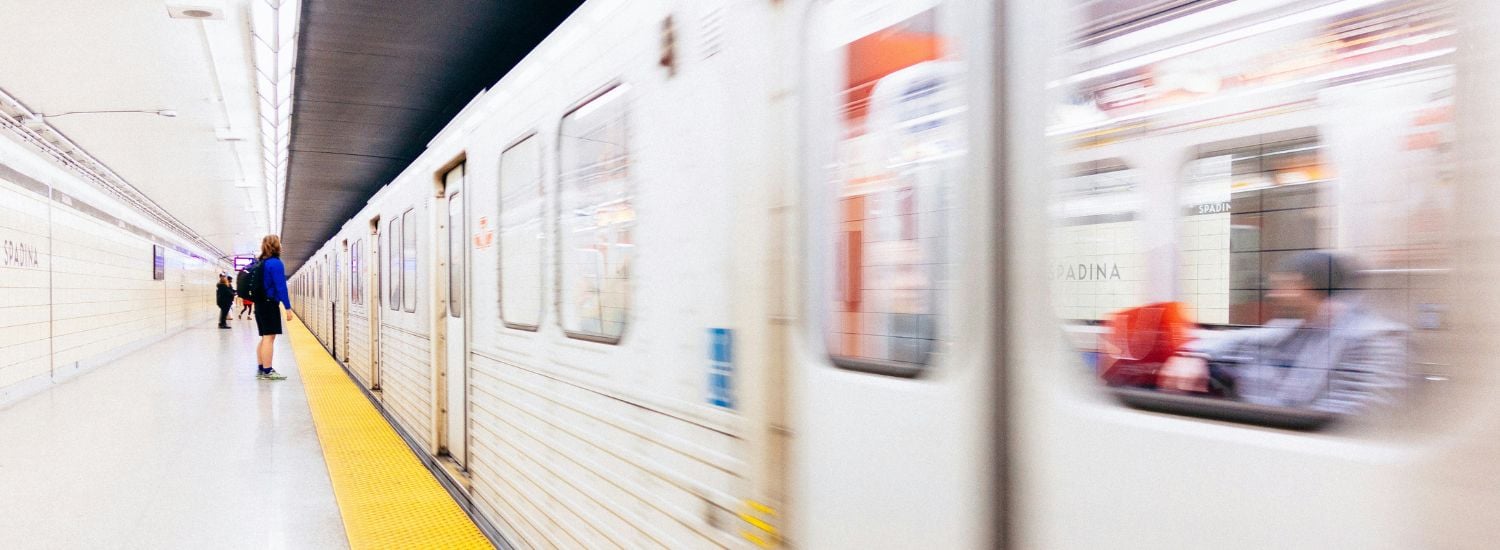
(387, 497)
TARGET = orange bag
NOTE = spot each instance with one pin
(1139, 340)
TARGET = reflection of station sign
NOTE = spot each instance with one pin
(1087, 272)
(1220, 207)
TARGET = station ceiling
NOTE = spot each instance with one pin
(375, 81)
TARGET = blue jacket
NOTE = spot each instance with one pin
(273, 282)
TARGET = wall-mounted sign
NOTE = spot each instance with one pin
(19, 254)
(1218, 207)
(158, 263)
(242, 262)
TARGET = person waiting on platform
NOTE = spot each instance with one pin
(225, 300)
(1323, 351)
(246, 305)
(268, 277)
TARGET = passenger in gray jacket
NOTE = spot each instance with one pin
(1323, 351)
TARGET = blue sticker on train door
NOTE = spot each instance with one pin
(720, 369)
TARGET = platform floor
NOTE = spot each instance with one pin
(174, 446)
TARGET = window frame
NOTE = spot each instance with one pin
(356, 288)
(393, 234)
(456, 241)
(819, 125)
(541, 267)
(599, 92)
(407, 217)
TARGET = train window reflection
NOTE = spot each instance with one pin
(356, 283)
(1289, 213)
(896, 154)
(393, 236)
(1246, 209)
(409, 261)
(457, 240)
(521, 234)
(597, 211)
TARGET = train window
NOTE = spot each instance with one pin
(358, 271)
(597, 218)
(521, 235)
(890, 148)
(1246, 209)
(456, 241)
(1287, 256)
(354, 273)
(409, 229)
(393, 237)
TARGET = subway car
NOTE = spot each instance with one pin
(861, 274)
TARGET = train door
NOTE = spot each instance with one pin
(892, 369)
(345, 297)
(1236, 162)
(377, 298)
(333, 303)
(455, 364)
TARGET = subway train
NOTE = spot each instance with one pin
(849, 274)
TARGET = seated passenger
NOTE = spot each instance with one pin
(1323, 351)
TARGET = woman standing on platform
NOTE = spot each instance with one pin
(225, 300)
(272, 294)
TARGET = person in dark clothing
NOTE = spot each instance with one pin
(225, 300)
(239, 282)
(267, 309)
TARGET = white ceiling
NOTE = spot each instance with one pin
(82, 55)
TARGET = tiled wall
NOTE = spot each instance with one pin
(76, 290)
(1203, 267)
(1097, 269)
(25, 318)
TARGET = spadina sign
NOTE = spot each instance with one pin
(1087, 272)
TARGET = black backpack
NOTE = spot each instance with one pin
(248, 285)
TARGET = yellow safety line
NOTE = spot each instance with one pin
(761, 508)
(752, 520)
(387, 497)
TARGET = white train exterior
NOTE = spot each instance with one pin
(721, 273)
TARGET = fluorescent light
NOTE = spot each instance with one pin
(1334, 75)
(1220, 39)
(1182, 25)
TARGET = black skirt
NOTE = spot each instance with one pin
(268, 318)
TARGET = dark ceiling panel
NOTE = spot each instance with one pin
(376, 80)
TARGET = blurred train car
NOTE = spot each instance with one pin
(833, 274)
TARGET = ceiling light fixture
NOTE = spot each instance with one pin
(178, 11)
(274, 24)
(159, 112)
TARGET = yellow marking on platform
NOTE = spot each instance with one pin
(387, 497)
(761, 508)
(755, 539)
(762, 525)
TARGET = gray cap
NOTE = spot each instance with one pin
(1322, 270)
